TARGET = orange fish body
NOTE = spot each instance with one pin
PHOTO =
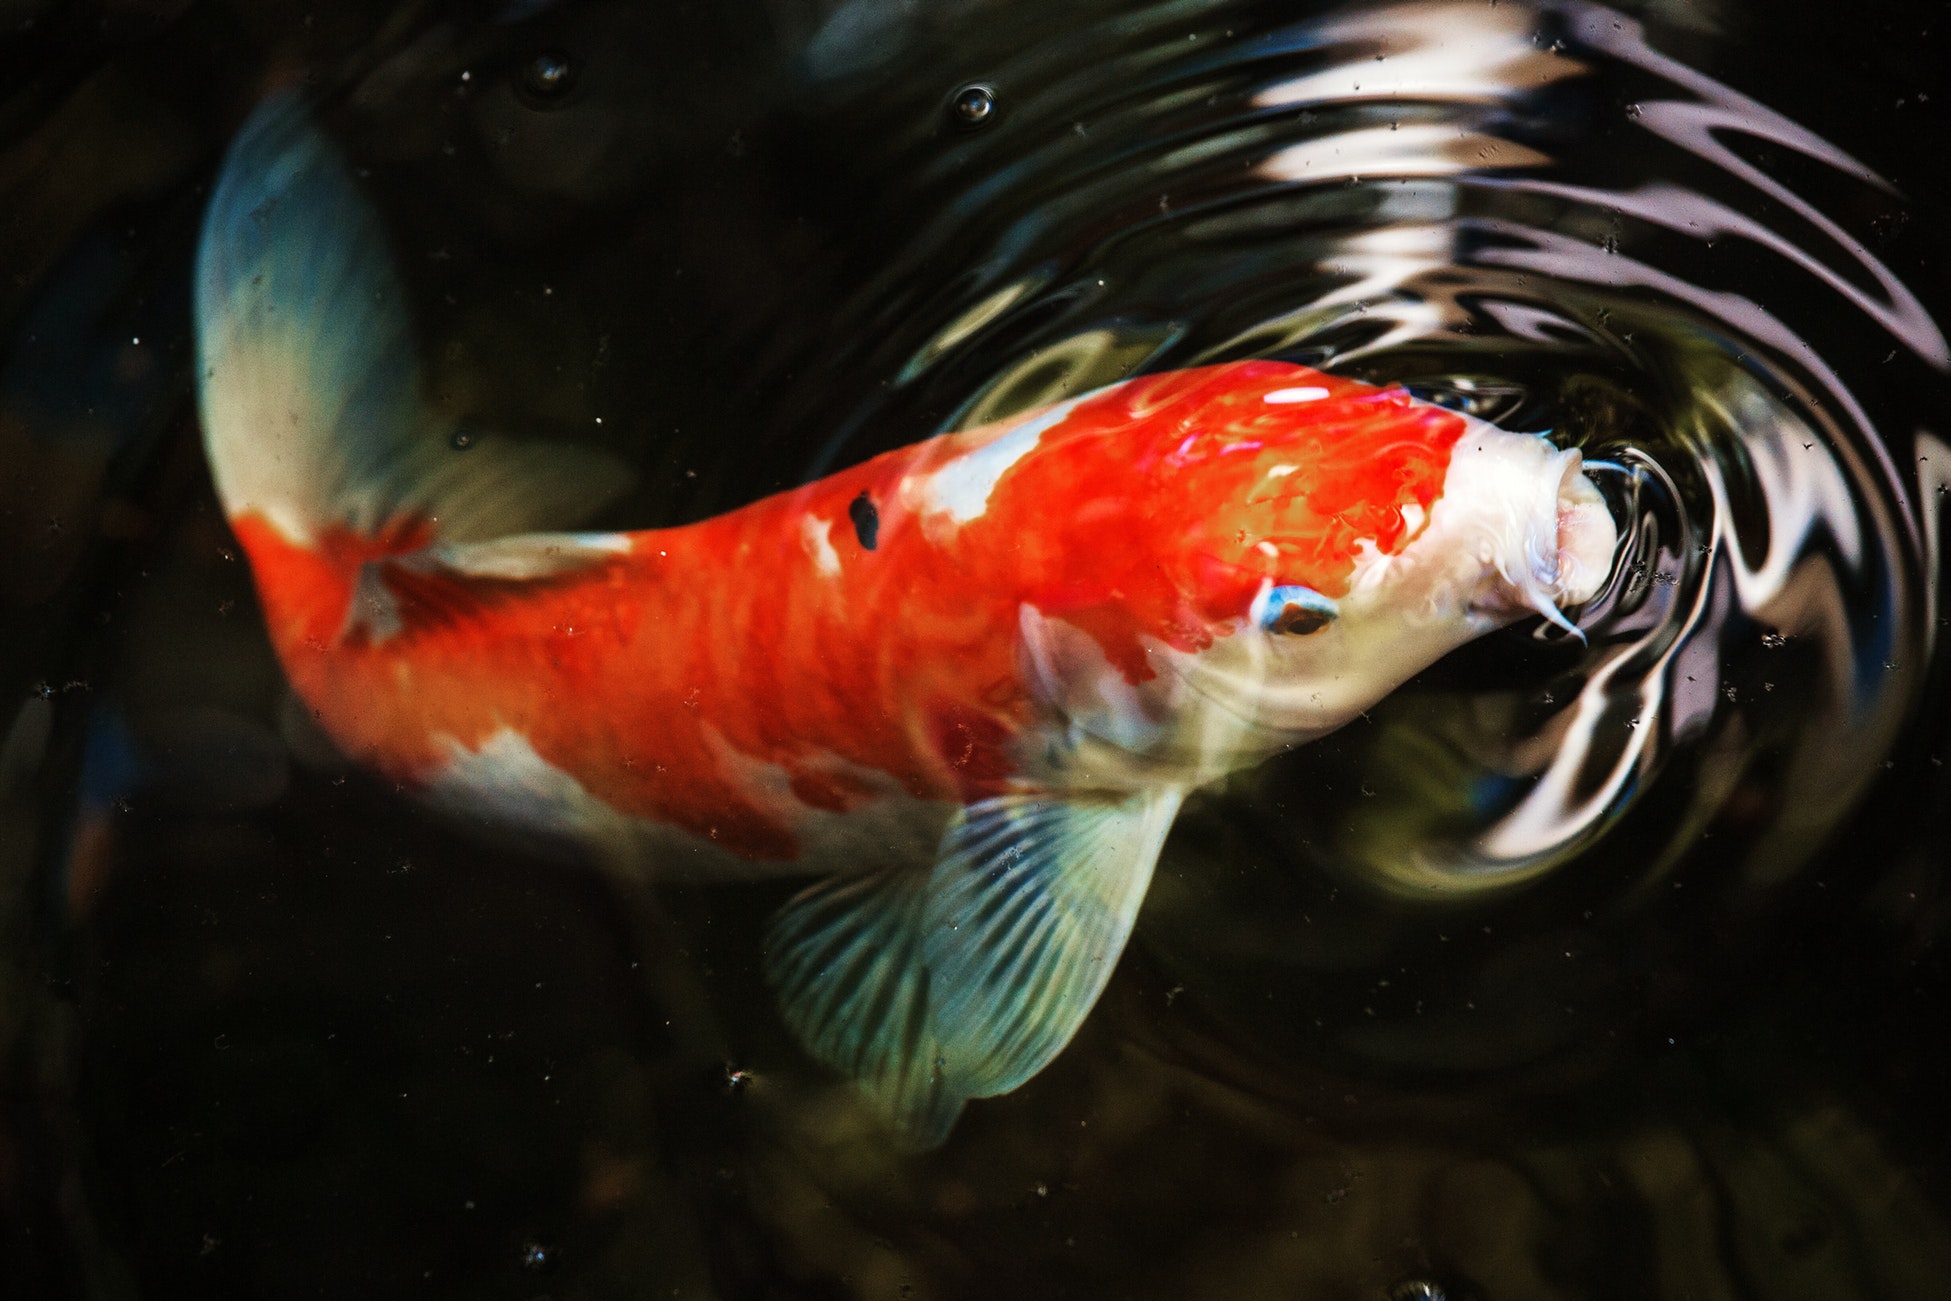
(737, 676)
(968, 681)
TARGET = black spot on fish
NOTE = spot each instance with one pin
(867, 521)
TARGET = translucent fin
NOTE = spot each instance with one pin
(312, 404)
(845, 956)
(531, 556)
(1028, 911)
(933, 988)
(440, 586)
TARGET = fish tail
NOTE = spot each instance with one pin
(314, 411)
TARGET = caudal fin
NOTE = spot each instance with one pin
(314, 415)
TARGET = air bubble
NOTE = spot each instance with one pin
(973, 105)
(548, 76)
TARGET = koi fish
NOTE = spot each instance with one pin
(965, 684)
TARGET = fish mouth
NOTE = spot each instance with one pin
(1566, 554)
(1586, 536)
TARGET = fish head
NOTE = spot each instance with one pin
(1516, 527)
(1286, 548)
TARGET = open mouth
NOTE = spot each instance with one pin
(1564, 558)
(1586, 536)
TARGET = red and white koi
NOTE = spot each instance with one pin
(966, 683)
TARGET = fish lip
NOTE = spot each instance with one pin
(1558, 551)
(1587, 539)
(1565, 556)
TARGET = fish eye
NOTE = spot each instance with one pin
(1294, 610)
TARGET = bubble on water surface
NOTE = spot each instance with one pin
(973, 105)
(548, 76)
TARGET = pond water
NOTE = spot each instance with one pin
(1593, 966)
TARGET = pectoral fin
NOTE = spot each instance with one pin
(931, 989)
(1028, 909)
(845, 956)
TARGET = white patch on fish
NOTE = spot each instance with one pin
(507, 785)
(960, 489)
(1515, 494)
(1068, 671)
(813, 535)
(507, 781)
(1372, 566)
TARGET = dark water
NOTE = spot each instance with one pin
(1610, 968)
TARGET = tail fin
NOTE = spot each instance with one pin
(314, 415)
